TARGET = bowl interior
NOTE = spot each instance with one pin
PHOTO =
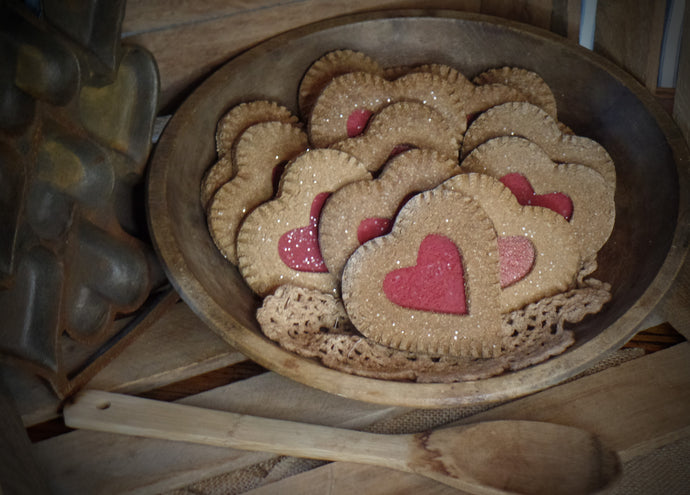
(594, 100)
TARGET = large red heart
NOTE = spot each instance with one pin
(299, 248)
(436, 283)
(520, 186)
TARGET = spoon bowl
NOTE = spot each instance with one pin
(516, 457)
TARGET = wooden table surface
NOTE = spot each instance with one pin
(639, 402)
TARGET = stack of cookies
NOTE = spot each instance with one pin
(413, 224)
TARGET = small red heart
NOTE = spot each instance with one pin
(373, 227)
(436, 283)
(299, 248)
(516, 258)
(524, 192)
(357, 122)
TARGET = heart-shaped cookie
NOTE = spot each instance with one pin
(446, 245)
(330, 65)
(358, 91)
(406, 123)
(362, 210)
(230, 127)
(532, 123)
(539, 253)
(260, 150)
(262, 259)
(528, 83)
(593, 210)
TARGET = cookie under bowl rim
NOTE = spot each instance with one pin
(595, 97)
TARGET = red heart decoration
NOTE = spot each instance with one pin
(436, 283)
(524, 192)
(299, 248)
(516, 258)
(357, 121)
(373, 227)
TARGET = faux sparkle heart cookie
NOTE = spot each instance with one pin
(362, 210)
(323, 70)
(487, 92)
(531, 122)
(399, 126)
(535, 90)
(432, 284)
(538, 251)
(278, 242)
(578, 193)
(229, 129)
(346, 103)
(259, 154)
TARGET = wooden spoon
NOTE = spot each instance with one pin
(494, 457)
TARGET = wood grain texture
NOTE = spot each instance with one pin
(535, 12)
(630, 33)
(177, 347)
(636, 407)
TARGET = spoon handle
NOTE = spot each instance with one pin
(124, 414)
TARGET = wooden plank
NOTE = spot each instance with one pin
(681, 103)
(92, 462)
(630, 33)
(177, 347)
(19, 472)
(533, 12)
(635, 407)
(565, 18)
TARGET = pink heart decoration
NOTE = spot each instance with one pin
(436, 283)
(299, 248)
(524, 192)
(516, 258)
(357, 122)
(373, 227)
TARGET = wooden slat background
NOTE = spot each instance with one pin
(190, 39)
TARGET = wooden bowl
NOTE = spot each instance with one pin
(595, 98)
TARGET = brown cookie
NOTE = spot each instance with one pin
(259, 153)
(330, 65)
(278, 242)
(229, 129)
(531, 122)
(432, 284)
(362, 210)
(539, 255)
(530, 84)
(399, 126)
(346, 103)
(476, 98)
(578, 192)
